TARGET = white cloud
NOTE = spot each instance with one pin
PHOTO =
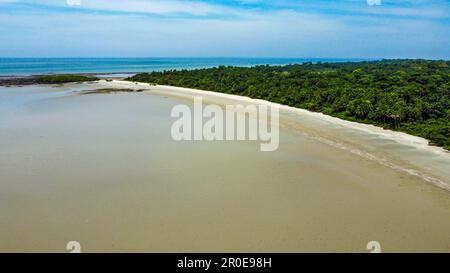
(163, 7)
(73, 2)
(432, 9)
(155, 6)
(280, 33)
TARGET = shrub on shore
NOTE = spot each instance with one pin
(56, 79)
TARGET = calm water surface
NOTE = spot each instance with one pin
(126, 66)
(104, 171)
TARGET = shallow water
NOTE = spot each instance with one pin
(104, 171)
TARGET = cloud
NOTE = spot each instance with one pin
(162, 7)
(156, 6)
(432, 9)
(122, 29)
(73, 2)
(241, 8)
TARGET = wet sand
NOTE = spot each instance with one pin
(103, 170)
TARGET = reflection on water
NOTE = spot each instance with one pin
(104, 171)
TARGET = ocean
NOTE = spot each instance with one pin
(33, 66)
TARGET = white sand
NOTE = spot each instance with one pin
(399, 137)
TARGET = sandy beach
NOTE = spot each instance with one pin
(403, 139)
(103, 170)
(399, 137)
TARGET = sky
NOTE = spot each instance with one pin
(234, 28)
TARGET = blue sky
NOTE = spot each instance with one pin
(235, 28)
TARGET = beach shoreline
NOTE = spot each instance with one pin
(113, 78)
(399, 137)
(346, 143)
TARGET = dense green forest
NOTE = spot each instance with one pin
(412, 96)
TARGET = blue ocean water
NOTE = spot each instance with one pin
(32, 66)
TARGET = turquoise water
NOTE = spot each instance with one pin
(30, 66)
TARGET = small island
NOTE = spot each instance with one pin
(46, 79)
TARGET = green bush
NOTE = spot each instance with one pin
(58, 79)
